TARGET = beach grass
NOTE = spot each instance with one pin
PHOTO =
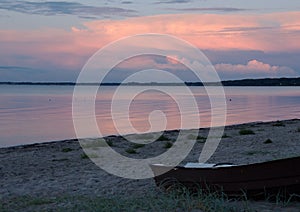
(151, 201)
(191, 137)
(137, 146)
(67, 149)
(178, 199)
(246, 132)
(278, 124)
(163, 138)
(93, 143)
(200, 137)
(130, 151)
(225, 136)
(168, 145)
(194, 137)
(84, 156)
(256, 152)
(110, 143)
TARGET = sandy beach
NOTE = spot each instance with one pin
(61, 168)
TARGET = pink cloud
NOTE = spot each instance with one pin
(255, 68)
(275, 32)
(152, 62)
(266, 32)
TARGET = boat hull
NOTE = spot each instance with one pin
(253, 179)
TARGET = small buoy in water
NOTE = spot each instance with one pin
(230, 100)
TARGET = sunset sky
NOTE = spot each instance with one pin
(51, 41)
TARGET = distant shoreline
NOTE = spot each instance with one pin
(243, 82)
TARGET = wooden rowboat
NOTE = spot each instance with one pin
(253, 179)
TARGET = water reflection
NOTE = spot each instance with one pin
(31, 114)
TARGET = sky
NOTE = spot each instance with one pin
(52, 40)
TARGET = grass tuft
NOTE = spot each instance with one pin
(246, 132)
(225, 136)
(163, 138)
(93, 143)
(136, 146)
(268, 141)
(254, 152)
(168, 145)
(130, 151)
(110, 143)
(199, 137)
(278, 124)
(261, 129)
(40, 201)
(67, 150)
(191, 137)
(194, 137)
(84, 156)
(60, 159)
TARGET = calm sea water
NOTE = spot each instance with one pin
(30, 114)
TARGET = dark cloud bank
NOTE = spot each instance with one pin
(48, 8)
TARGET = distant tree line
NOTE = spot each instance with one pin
(264, 82)
(244, 82)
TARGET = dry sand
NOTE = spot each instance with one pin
(55, 168)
